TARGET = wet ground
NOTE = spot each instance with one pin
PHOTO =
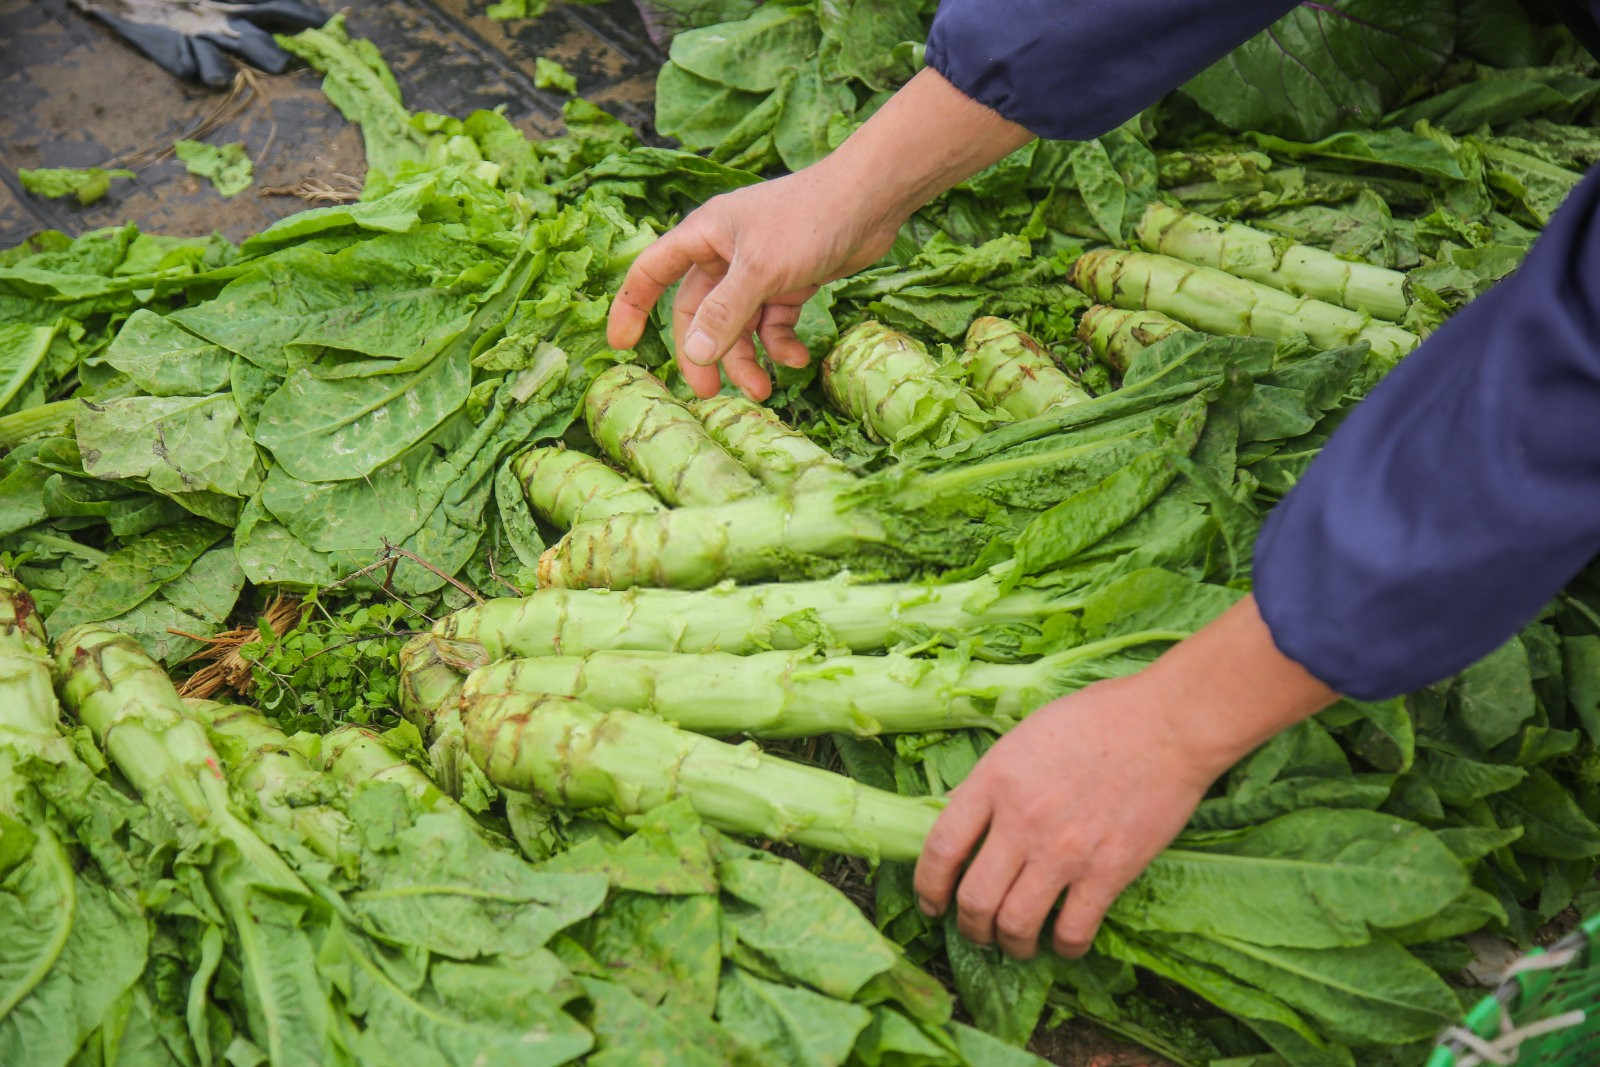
(72, 95)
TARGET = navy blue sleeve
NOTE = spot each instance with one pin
(1462, 494)
(1073, 69)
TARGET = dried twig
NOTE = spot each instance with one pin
(241, 94)
(396, 552)
(344, 189)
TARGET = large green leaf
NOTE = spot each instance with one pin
(751, 54)
(1324, 67)
(180, 445)
(1317, 878)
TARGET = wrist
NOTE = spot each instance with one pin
(925, 139)
(1228, 689)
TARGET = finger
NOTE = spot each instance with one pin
(949, 843)
(744, 372)
(985, 884)
(705, 381)
(667, 259)
(1025, 908)
(777, 333)
(724, 313)
(1086, 905)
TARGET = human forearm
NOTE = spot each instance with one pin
(1229, 688)
(926, 138)
(1462, 494)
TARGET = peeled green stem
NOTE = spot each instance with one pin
(696, 547)
(1013, 372)
(1293, 268)
(1116, 335)
(889, 383)
(802, 694)
(28, 730)
(288, 790)
(1216, 302)
(45, 419)
(641, 425)
(835, 613)
(896, 523)
(27, 699)
(566, 487)
(785, 459)
(570, 754)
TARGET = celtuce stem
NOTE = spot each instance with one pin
(785, 459)
(1116, 335)
(1293, 268)
(1013, 372)
(641, 425)
(566, 487)
(570, 754)
(1216, 302)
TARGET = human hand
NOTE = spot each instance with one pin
(1078, 798)
(1081, 795)
(748, 260)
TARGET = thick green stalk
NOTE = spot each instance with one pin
(1013, 372)
(130, 706)
(695, 547)
(566, 487)
(832, 613)
(27, 701)
(1216, 302)
(643, 426)
(570, 754)
(28, 718)
(890, 384)
(288, 790)
(1116, 335)
(45, 420)
(354, 754)
(785, 459)
(431, 670)
(1294, 268)
(898, 522)
(803, 694)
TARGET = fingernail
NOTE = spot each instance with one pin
(700, 348)
(927, 908)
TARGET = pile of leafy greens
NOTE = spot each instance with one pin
(187, 425)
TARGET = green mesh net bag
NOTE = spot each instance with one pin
(1546, 1011)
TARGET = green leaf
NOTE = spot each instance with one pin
(1494, 696)
(548, 74)
(22, 350)
(134, 573)
(801, 134)
(1004, 996)
(1372, 993)
(88, 184)
(788, 1024)
(1101, 188)
(1398, 148)
(163, 359)
(1324, 67)
(805, 927)
(751, 54)
(1316, 878)
(179, 445)
(227, 166)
